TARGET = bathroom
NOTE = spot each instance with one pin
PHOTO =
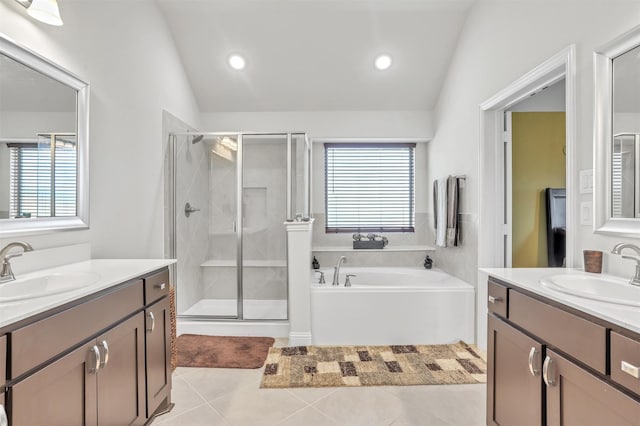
(158, 68)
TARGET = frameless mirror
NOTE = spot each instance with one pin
(617, 136)
(43, 144)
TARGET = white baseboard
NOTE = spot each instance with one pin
(229, 328)
(300, 339)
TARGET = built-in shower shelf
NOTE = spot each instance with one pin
(389, 248)
(247, 263)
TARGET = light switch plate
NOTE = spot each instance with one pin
(586, 181)
(586, 213)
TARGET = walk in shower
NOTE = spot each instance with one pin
(230, 195)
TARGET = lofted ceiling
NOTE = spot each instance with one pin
(304, 55)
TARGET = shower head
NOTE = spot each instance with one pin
(197, 139)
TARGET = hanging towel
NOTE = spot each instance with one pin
(440, 211)
(453, 228)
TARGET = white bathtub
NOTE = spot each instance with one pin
(392, 306)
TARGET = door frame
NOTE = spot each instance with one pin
(492, 209)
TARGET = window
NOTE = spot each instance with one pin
(38, 186)
(369, 187)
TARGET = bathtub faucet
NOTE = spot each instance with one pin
(336, 270)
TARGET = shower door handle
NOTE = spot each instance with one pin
(235, 226)
(188, 209)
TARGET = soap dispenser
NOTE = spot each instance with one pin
(315, 264)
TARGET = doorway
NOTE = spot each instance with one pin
(536, 175)
(493, 209)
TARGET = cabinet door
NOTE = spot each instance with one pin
(63, 393)
(577, 398)
(121, 374)
(513, 376)
(158, 335)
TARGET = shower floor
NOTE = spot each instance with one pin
(252, 309)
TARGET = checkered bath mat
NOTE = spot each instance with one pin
(399, 365)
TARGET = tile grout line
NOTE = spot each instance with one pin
(165, 420)
(325, 414)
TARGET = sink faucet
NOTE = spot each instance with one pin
(336, 270)
(6, 274)
(635, 280)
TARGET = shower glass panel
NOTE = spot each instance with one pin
(264, 253)
(231, 194)
(206, 242)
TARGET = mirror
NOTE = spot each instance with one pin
(43, 144)
(617, 136)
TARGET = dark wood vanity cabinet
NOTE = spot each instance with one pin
(577, 397)
(62, 393)
(551, 366)
(109, 375)
(514, 368)
(158, 357)
(3, 377)
(121, 376)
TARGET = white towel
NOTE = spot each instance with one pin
(441, 212)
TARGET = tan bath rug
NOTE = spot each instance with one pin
(400, 365)
(222, 351)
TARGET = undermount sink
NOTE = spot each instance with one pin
(601, 288)
(47, 285)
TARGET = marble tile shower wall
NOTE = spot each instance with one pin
(192, 185)
(264, 239)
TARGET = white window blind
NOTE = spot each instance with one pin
(369, 187)
(34, 190)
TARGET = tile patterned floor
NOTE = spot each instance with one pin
(232, 397)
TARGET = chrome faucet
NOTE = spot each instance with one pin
(635, 280)
(336, 270)
(6, 274)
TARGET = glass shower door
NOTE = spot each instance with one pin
(264, 253)
(206, 225)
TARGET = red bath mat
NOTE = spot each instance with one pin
(222, 351)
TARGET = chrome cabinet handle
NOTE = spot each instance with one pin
(105, 354)
(630, 369)
(4, 420)
(160, 286)
(152, 318)
(94, 365)
(494, 299)
(548, 379)
(532, 362)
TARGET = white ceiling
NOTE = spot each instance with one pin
(307, 55)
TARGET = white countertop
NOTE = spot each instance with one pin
(110, 271)
(529, 279)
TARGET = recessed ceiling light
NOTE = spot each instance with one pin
(236, 62)
(383, 62)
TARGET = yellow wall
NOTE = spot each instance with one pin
(538, 140)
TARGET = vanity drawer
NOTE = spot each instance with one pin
(625, 362)
(36, 343)
(571, 334)
(497, 299)
(156, 286)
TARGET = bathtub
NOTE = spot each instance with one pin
(392, 306)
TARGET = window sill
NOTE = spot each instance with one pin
(388, 248)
